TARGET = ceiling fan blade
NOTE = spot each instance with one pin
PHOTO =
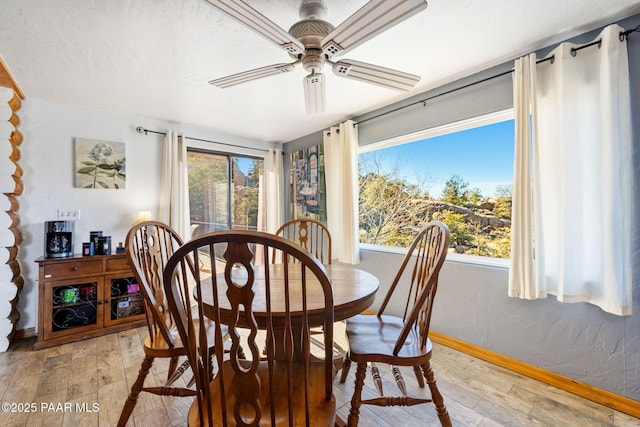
(373, 18)
(314, 93)
(375, 74)
(250, 75)
(253, 19)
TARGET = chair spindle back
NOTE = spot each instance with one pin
(269, 310)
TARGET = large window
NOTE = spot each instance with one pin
(460, 174)
(224, 192)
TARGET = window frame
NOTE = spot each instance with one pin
(439, 130)
(444, 129)
(229, 156)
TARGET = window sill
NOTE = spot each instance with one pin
(480, 261)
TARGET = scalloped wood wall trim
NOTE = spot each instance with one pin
(11, 279)
(7, 80)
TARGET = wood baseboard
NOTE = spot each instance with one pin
(25, 333)
(602, 397)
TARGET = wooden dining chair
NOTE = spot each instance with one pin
(311, 235)
(282, 386)
(314, 236)
(401, 341)
(149, 245)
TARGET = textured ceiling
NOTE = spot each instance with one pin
(154, 57)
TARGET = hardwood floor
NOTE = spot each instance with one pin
(85, 384)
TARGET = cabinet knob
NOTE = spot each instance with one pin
(74, 268)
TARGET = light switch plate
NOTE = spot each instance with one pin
(68, 214)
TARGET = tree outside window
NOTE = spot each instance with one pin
(403, 187)
(224, 191)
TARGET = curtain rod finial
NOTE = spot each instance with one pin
(140, 129)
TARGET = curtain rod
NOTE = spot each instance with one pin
(140, 129)
(624, 35)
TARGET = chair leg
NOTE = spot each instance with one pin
(443, 415)
(346, 365)
(173, 365)
(356, 399)
(132, 399)
(176, 372)
(418, 371)
(339, 422)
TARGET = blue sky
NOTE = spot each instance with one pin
(245, 164)
(482, 156)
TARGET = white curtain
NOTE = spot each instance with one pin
(341, 172)
(274, 182)
(581, 159)
(174, 189)
(526, 270)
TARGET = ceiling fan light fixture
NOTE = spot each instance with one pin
(312, 42)
(314, 93)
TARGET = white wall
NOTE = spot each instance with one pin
(49, 129)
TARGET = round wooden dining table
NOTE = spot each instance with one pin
(354, 291)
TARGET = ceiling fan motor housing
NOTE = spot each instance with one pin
(310, 33)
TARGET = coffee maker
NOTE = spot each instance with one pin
(58, 239)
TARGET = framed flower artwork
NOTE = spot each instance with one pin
(100, 164)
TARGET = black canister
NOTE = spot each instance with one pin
(104, 245)
(88, 248)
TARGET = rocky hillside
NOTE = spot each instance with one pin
(424, 210)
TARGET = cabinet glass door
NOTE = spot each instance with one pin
(126, 300)
(74, 307)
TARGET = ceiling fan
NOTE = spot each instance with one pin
(312, 42)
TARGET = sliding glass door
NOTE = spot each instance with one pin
(225, 192)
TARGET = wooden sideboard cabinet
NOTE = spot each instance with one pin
(84, 297)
